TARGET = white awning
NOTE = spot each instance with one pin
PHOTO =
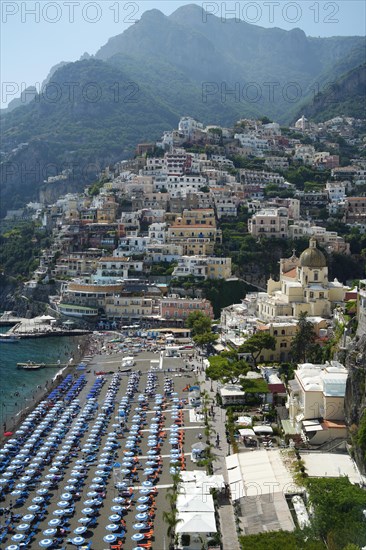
(203, 522)
(244, 420)
(219, 347)
(247, 432)
(232, 461)
(313, 428)
(263, 429)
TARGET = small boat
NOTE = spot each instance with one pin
(30, 365)
(9, 339)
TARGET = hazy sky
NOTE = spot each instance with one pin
(35, 35)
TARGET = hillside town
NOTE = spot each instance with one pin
(172, 234)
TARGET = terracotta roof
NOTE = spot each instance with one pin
(291, 273)
(327, 424)
(262, 327)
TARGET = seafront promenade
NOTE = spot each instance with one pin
(75, 474)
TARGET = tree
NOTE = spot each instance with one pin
(256, 344)
(205, 339)
(225, 371)
(170, 517)
(338, 507)
(198, 322)
(172, 521)
(303, 341)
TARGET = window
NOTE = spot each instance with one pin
(316, 276)
(311, 294)
(283, 345)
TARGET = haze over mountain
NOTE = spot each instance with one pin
(161, 68)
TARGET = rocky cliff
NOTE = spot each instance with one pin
(355, 400)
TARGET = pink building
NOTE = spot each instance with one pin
(180, 308)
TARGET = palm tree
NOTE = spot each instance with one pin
(172, 521)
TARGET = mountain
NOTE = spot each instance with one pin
(83, 128)
(30, 93)
(346, 96)
(145, 79)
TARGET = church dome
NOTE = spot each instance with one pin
(312, 256)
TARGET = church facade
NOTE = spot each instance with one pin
(303, 287)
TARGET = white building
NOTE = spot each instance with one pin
(316, 401)
(305, 153)
(257, 145)
(187, 125)
(131, 245)
(205, 267)
(112, 268)
(330, 240)
(157, 232)
(336, 190)
(269, 222)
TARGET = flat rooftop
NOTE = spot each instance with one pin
(331, 465)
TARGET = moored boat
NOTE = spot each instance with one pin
(9, 339)
(30, 365)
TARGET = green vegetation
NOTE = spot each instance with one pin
(20, 249)
(301, 175)
(170, 517)
(256, 344)
(343, 97)
(279, 540)
(254, 385)
(338, 522)
(200, 325)
(338, 507)
(359, 437)
(162, 268)
(225, 370)
(303, 342)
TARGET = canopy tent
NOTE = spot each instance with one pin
(189, 522)
(263, 429)
(247, 432)
(244, 420)
(195, 502)
(199, 480)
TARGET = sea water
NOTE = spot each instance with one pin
(18, 387)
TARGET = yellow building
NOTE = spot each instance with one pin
(199, 216)
(195, 239)
(303, 287)
(284, 333)
(128, 307)
(108, 211)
